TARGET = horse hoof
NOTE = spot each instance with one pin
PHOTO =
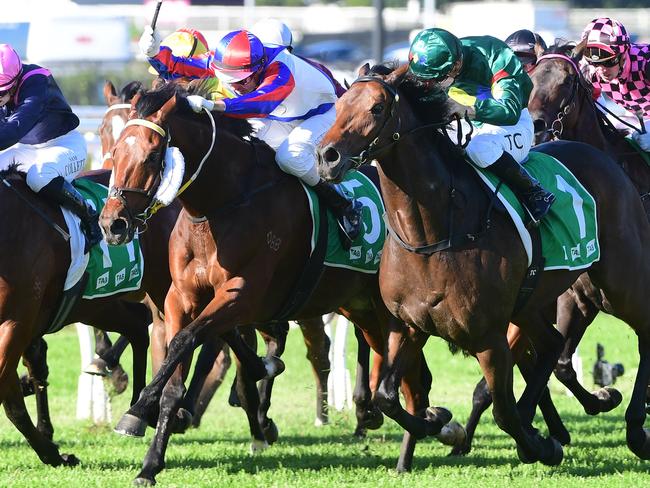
(182, 421)
(140, 481)
(360, 432)
(556, 453)
(97, 367)
(523, 457)
(274, 367)
(258, 446)
(452, 434)
(119, 379)
(319, 422)
(372, 419)
(69, 460)
(270, 431)
(436, 418)
(608, 398)
(638, 443)
(131, 426)
(462, 450)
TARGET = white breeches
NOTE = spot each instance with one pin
(295, 143)
(490, 141)
(63, 156)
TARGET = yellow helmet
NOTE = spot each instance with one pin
(185, 43)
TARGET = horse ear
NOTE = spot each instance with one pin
(578, 49)
(110, 93)
(168, 107)
(396, 77)
(347, 85)
(364, 70)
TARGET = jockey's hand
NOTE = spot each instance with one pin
(642, 139)
(149, 42)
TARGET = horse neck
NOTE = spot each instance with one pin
(586, 127)
(225, 175)
(416, 186)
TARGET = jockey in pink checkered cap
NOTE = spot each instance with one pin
(619, 69)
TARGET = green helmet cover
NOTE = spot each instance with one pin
(433, 53)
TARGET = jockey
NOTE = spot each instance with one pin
(37, 130)
(274, 33)
(487, 81)
(619, 69)
(527, 45)
(186, 43)
(289, 102)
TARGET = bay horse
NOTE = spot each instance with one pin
(239, 246)
(33, 272)
(464, 288)
(200, 393)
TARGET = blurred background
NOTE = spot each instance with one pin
(85, 42)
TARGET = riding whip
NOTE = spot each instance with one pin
(155, 15)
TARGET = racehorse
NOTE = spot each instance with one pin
(239, 246)
(449, 270)
(33, 272)
(199, 392)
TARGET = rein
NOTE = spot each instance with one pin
(451, 241)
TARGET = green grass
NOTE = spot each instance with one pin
(217, 454)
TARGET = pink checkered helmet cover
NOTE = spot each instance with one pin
(10, 67)
(607, 34)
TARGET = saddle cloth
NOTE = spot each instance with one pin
(365, 253)
(569, 232)
(111, 269)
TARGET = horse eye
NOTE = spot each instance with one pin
(377, 109)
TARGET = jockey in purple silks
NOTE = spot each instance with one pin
(38, 131)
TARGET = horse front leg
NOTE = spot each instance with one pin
(212, 383)
(35, 359)
(637, 437)
(404, 347)
(495, 359)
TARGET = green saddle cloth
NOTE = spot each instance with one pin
(569, 232)
(365, 252)
(111, 269)
(635, 145)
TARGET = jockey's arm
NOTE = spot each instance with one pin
(274, 88)
(33, 94)
(499, 105)
(166, 64)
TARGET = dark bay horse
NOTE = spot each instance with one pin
(33, 267)
(204, 385)
(239, 246)
(465, 289)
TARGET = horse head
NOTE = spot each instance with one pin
(367, 121)
(559, 91)
(138, 163)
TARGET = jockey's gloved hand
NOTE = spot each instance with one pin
(149, 42)
(642, 139)
(198, 103)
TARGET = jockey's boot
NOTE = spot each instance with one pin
(63, 193)
(535, 199)
(348, 212)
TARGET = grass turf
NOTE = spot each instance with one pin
(217, 454)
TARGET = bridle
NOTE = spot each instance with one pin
(154, 205)
(557, 126)
(371, 150)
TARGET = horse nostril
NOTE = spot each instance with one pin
(539, 125)
(118, 227)
(331, 155)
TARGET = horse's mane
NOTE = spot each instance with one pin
(430, 109)
(130, 90)
(152, 100)
(12, 171)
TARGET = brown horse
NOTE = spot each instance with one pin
(465, 285)
(200, 392)
(33, 272)
(239, 246)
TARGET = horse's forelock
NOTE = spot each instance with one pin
(129, 90)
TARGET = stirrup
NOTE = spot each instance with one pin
(537, 212)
